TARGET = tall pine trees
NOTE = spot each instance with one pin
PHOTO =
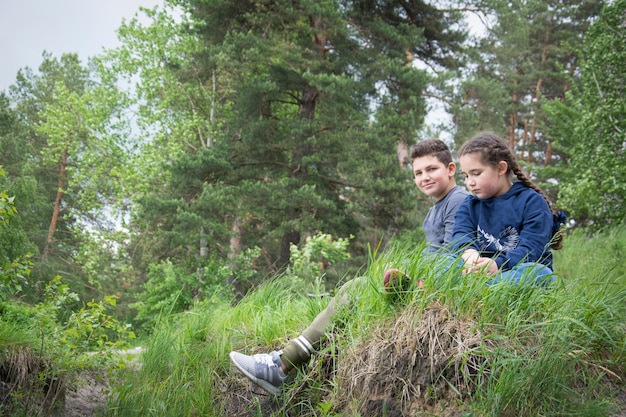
(308, 102)
(521, 61)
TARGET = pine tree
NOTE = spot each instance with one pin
(311, 101)
(66, 175)
(522, 61)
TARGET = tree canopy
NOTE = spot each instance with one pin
(590, 125)
(283, 120)
(221, 133)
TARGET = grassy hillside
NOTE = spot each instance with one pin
(452, 348)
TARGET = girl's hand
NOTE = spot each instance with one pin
(487, 264)
(470, 256)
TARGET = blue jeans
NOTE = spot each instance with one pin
(524, 273)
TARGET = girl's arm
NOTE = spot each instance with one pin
(470, 256)
(534, 237)
(464, 230)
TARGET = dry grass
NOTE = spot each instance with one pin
(419, 362)
(21, 373)
(423, 361)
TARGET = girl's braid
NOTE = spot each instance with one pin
(557, 239)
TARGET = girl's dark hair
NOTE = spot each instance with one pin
(494, 149)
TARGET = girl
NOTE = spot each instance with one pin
(504, 228)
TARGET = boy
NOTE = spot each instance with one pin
(434, 171)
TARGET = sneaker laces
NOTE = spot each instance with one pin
(266, 360)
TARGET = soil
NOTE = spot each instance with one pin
(89, 394)
(87, 398)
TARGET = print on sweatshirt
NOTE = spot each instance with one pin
(508, 240)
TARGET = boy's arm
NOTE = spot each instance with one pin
(449, 215)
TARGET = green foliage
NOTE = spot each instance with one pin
(269, 122)
(90, 328)
(309, 264)
(14, 272)
(168, 290)
(7, 206)
(67, 342)
(553, 352)
(68, 338)
(520, 60)
(171, 290)
(43, 347)
(590, 126)
(64, 139)
(12, 276)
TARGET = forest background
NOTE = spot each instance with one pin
(223, 142)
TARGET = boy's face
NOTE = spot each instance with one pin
(432, 177)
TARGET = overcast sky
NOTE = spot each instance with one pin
(28, 27)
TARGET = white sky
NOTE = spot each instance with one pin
(86, 27)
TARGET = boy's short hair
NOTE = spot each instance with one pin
(434, 147)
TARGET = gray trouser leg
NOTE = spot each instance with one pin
(299, 350)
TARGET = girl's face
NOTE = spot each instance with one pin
(432, 177)
(482, 180)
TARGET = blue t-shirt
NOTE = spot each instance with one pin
(439, 221)
(512, 228)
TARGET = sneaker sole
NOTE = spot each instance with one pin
(259, 382)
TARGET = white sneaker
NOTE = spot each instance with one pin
(263, 369)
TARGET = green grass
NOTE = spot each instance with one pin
(548, 352)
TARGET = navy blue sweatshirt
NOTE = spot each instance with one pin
(512, 228)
